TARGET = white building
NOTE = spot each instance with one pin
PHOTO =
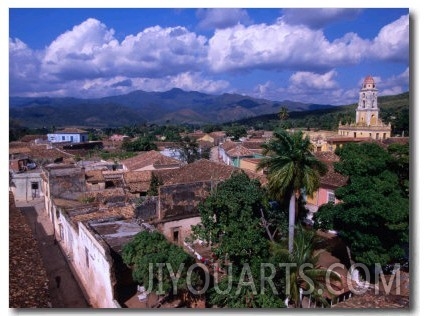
(73, 135)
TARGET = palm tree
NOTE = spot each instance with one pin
(305, 274)
(291, 166)
(283, 114)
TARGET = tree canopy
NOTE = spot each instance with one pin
(151, 250)
(373, 217)
(232, 221)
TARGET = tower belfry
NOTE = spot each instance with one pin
(367, 121)
(367, 111)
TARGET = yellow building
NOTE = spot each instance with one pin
(367, 123)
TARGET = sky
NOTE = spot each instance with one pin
(312, 55)
(48, 47)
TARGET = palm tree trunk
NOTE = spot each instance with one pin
(291, 220)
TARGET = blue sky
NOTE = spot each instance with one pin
(307, 55)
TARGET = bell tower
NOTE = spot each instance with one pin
(367, 112)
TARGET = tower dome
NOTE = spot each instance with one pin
(369, 79)
(369, 82)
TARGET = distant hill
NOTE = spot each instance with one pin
(174, 106)
(394, 109)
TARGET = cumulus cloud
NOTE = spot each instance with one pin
(318, 18)
(393, 41)
(89, 61)
(221, 18)
(291, 47)
(310, 80)
(90, 50)
(282, 46)
(24, 64)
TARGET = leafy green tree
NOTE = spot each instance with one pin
(291, 167)
(400, 164)
(231, 222)
(305, 273)
(188, 149)
(150, 255)
(143, 143)
(283, 114)
(236, 132)
(373, 217)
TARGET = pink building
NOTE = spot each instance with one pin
(328, 183)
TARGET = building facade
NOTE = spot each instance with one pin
(367, 121)
(73, 135)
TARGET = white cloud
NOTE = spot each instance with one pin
(318, 18)
(91, 51)
(222, 18)
(310, 80)
(281, 46)
(393, 41)
(24, 66)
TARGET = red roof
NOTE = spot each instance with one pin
(154, 158)
(369, 79)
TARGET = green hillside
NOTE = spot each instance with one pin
(394, 109)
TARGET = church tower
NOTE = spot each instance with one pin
(368, 110)
(367, 121)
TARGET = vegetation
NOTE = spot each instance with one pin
(236, 132)
(188, 149)
(291, 167)
(142, 143)
(231, 221)
(149, 251)
(304, 258)
(373, 218)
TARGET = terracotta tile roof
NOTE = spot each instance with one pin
(112, 174)
(41, 152)
(229, 145)
(19, 150)
(18, 145)
(347, 139)
(31, 138)
(105, 196)
(239, 151)
(205, 144)
(333, 178)
(138, 181)
(326, 156)
(123, 212)
(70, 130)
(218, 134)
(371, 300)
(252, 160)
(397, 140)
(253, 145)
(150, 158)
(28, 281)
(263, 179)
(94, 176)
(164, 145)
(66, 203)
(200, 170)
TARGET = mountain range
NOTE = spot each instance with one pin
(174, 106)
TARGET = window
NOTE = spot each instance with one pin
(175, 231)
(63, 137)
(72, 138)
(330, 197)
(87, 256)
